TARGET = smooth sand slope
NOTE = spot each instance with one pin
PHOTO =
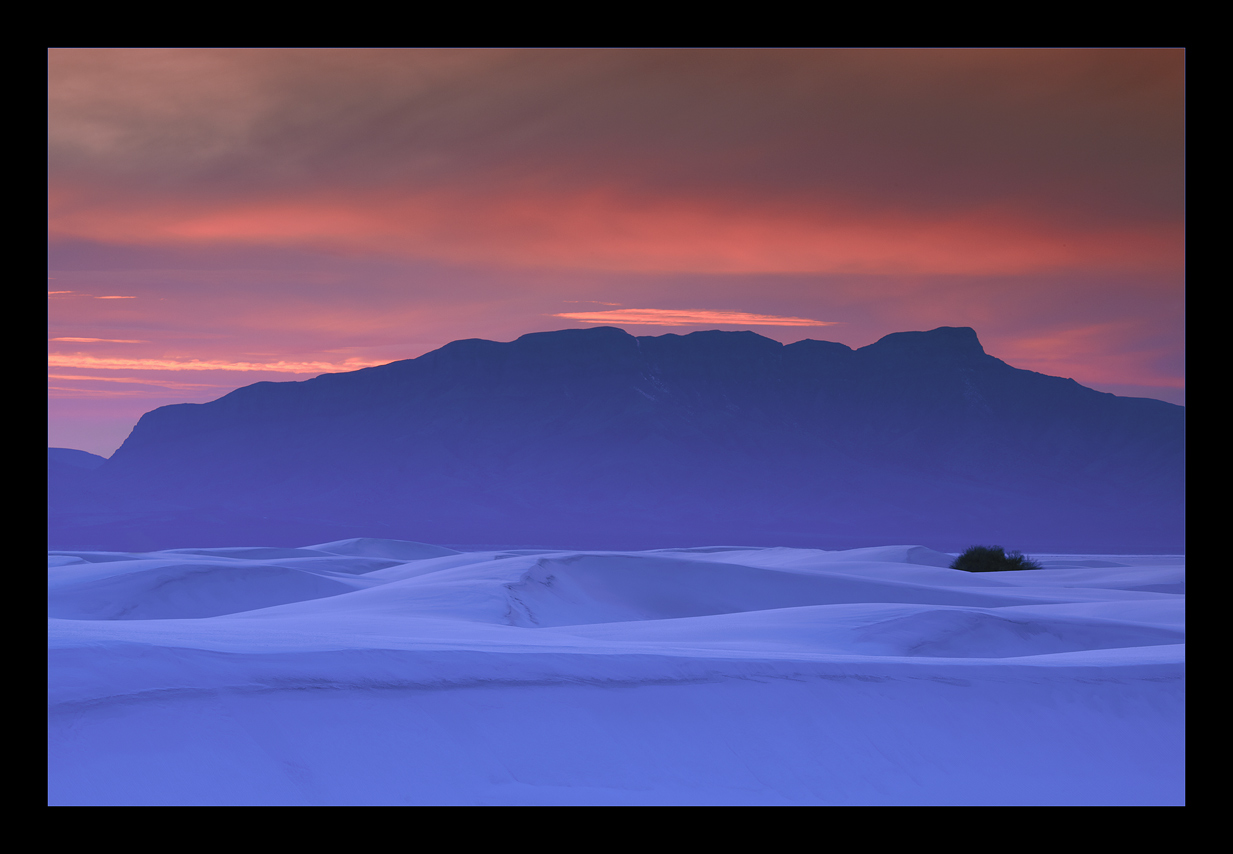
(372, 672)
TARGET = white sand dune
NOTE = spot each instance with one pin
(385, 672)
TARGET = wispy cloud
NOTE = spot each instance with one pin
(76, 360)
(62, 392)
(691, 317)
(91, 296)
(103, 340)
(134, 381)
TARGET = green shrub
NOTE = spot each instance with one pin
(991, 559)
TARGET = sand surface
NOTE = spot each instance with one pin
(367, 672)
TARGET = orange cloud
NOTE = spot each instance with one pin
(77, 360)
(134, 381)
(103, 340)
(60, 391)
(608, 231)
(666, 317)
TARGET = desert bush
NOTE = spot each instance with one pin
(991, 559)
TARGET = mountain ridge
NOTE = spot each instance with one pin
(597, 436)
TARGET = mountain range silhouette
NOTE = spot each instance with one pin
(595, 438)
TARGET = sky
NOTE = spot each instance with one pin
(220, 217)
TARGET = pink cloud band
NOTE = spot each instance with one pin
(60, 360)
(668, 317)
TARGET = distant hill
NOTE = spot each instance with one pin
(74, 458)
(596, 438)
(68, 474)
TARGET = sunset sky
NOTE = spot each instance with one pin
(221, 217)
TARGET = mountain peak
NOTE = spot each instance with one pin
(950, 341)
(591, 332)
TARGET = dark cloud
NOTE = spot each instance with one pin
(1096, 133)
